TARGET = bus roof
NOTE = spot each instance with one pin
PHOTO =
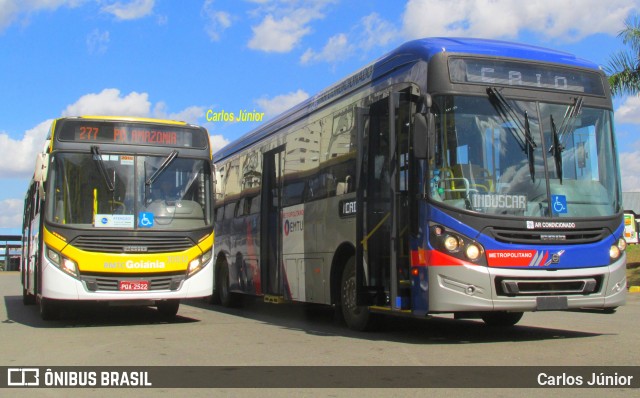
(408, 53)
(130, 119)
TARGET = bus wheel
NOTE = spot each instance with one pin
(49, 309)
(227, 298)
(168, 308)
(28, 299)
(357, 317)
(501, 318)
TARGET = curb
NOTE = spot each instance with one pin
(634, 289)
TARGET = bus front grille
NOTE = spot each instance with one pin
(142, 245)
(112, 283)
(514, 287)
(547, 236)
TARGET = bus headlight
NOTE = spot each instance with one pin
(451, 243)
(473, 252)
(198, 263)
(616, 250)
(456, 245)
(64, 263)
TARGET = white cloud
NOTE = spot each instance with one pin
(17, 157)
(281, 103)
(285, 25)
(11, 213)
(218, 142)
(134, 9)
(376, 31)
(98, 41)
(370, 32)
(629, 111)
(336, 49)
(109, 102)
(190, 114)
(217, 21)
(280, 36)
(12, 9)
(629, 166)
(567, 20)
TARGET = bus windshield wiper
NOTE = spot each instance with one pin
(97, 157)
(556, 149)
(530, 146)
(162, 168)
(507, 113)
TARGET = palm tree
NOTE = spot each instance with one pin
(624, 67)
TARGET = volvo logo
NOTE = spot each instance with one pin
(135, 249)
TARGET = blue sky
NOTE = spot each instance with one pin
(178, 59)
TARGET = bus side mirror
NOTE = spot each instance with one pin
(40, 173)
(42, 165)
(424, 136)
(420, 133)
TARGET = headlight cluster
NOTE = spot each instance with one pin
(198, 263)
(456, 245)
(615, 251)
(64, 263)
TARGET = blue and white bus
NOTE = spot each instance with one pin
(465, 176)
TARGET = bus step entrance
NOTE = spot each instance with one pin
(403, 300)
(273, 299)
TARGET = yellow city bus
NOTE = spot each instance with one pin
(119, 210)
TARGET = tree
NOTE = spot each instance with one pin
(624, 66)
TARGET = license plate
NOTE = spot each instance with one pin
(133, 285)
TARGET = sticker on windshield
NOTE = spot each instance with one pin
(113, 221)
(559, 204)
(126, 160)
(499, 201)
(145, 220)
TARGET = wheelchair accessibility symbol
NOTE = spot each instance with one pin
(145, 220)
(559, 204)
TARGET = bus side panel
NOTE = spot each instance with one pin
(323, 217)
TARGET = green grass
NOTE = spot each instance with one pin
(633, 265)
(633, 254)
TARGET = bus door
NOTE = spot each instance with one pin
(382, 256)
(270, 222)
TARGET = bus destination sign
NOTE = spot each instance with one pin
(132, 134)
(530, 75)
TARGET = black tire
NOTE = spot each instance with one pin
(226, 297)
(215, 295)
(357, 317)
(501, 318)
(49, 309)
(168, 308)
(28, 299)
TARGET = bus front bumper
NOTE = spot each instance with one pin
(58, 285)
(476, 288)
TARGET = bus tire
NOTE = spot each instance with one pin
(226, 297)
(168, 308)
(215, 295)
(357, 317)
(501, 318)
(28, 299)
(49, 309)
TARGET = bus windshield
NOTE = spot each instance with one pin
(116, 191)
(524, 158)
